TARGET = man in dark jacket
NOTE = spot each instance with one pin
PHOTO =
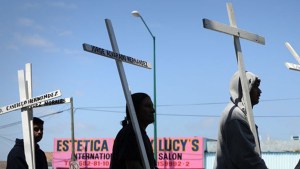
(16, 157)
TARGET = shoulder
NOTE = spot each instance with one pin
(16, 152)
(126, 130)
(124, 134)
(18, 149)
(233, 112)
(40, 151)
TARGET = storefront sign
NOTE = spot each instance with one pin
(172, 153)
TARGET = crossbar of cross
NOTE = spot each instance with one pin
(292, 66)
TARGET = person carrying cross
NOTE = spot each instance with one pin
(236, 142)
(126, 154)
(16, 157)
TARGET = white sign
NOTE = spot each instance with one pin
(30, 102)
(51, 102)
(292, 66)
(116, 56)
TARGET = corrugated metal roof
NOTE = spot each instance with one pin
(286, 160)
(266, 146)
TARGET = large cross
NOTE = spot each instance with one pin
(239, 33)
(73, 163)
(292, 66)
(119, 58)
(26, 104)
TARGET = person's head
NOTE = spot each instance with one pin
(38, 127)
(255, 92)
(236, 92)
(143, 108)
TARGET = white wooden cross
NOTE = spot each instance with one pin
(239, 33)
(26, 103)
(292, 66)
(119, 58)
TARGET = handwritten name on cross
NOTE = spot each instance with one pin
(51, 102)
(119, 58)
(26, 103)
(116, 56)
(239, 33)
(43, 100)
(292, 66)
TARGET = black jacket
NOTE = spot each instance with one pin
(16, 157)
(126, 148)
(298, 165)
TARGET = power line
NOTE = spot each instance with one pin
(100, 109)
(5, 138)
(192, 104)
(161, 114)
(284, 99)
(95, 109)
(189, 115)
(215, 103)
(204, 115)
(19, 122)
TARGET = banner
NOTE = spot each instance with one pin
(172, 153)
(183, 152)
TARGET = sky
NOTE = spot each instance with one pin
(194, 65)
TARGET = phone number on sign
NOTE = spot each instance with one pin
(93, 163)
(174, 163)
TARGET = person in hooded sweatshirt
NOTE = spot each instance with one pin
(16, 157)
(236, 142)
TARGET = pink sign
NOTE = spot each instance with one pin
(172, 153)
(90, 152)
(183, 152)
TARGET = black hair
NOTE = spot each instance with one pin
(38, 121)
(137, 99)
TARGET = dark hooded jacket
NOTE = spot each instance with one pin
(298, 165)
(236, 143)
(16, 157)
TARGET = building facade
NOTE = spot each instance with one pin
(276, 154)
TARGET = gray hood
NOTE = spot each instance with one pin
(236, 93)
